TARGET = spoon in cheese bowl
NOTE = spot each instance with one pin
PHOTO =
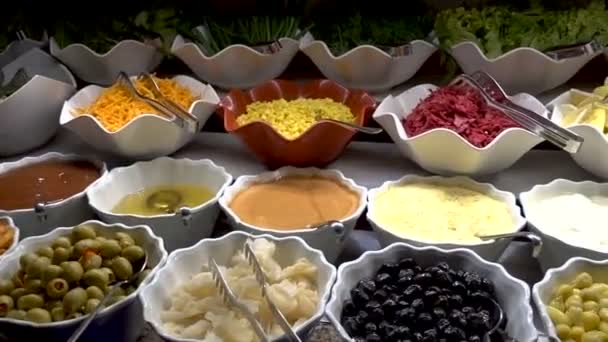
(366, 130)
(535, 240)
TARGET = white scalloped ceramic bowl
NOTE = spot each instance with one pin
(237, 66)
(18, 47)
(593, 154)
(367, 67)
(443, 151)
(179, 230)
(131, 56)
(555, 250)
(520, 70)
(34, 108)
(146, 137)
(68, 212)
(512, 294)
(11, 225)
(184, 263)
(61, 331)
(544, 289)
(330, 241)
(489, 250)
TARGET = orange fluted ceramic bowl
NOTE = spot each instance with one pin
(318, 146)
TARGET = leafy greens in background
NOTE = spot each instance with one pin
(499, 29)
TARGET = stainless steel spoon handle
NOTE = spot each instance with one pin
(535, 240)
(366, 130)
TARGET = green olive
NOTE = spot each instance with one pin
(36, 267)
(141, 276)
(111, 275)
(122, 268)
(96, 277)
(125, 236)
(33, 285)
(30, 301)
(84, 231)
(74, 300)
(74, 315)
(115, 299)
(72, 271)
(16, 314)
(51, 272)
(63, 242)
(110, 248)
(119, 292)
(57, 314)
(95, 292)
(38, 315)
(6, 286)
(6, 304)
(130, 290)
(91, 305)
(106, 263)
(133, 253)
(17, 278)
(26, 259)
(61, 254)
(86, 245)
(91, 261)
(46, 251)
(53, 304)
(17, 293)
(57, 288)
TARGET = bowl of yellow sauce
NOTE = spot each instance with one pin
(448, 212)
(297, 202)
(177, 198)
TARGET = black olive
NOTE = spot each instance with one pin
(377, 314)
(363, 316)
(402, 304)
(405, 281)
(406, 314)
(455, 301)
(480, 322)
(473, 281)
(383, 279)
(444, 266)
(461, 274)
(389, 306)
(417, 269)
(417, 304)
(457, 318)
(453, 333)
(371, 305)
(486, 285)
(367, 285)
(442, 324)
(430, 296)
(403, 332)
(443, 278)
(349, 309)
(413, 291)
(442, 301)
(467, 310)
(459, 287)
(417, 337)
(439, 313)
(430, 335)
(407, 272)
(370, 327)
(359, 297)
(389, 289)
(423, 279)
(424, 320)
(380, 295)
(474, 338)
(389, 331)
(390, 268)
(351, 325)
(406, 263)
(394, 297)
(373, 337)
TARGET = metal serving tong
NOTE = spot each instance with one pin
(497, 98)
(575, 50)
(162, 104)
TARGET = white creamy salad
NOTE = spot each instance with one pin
(573, 218)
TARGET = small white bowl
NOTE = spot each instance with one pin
(184, 263)
(15, 242)
(253, 67)
(555, 250)
(512, 294)
(143, 236)
(146, 137)
(34, 108)
(520, 70)
(179, 230)
(329, 241)
(490, 250)
(443, 151)
(380, 71)
(544, 289)
(68, 212)
(593, 154)
(131, 56)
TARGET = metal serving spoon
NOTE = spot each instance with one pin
(366, 130)
(535, 240)
(85, 324)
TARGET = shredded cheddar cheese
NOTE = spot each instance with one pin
(116, 107)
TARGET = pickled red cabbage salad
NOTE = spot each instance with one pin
(459, 108)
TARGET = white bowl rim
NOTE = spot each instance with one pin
(30, 160)
(286, 171)
(464, 181)
(347, 54)
(16, 233)
(323, 299)
(207, 88)
(118, 171)
(467, 253)
(408, 139)
(524, 198)
(36, 78)
(514, 51)
(150, 277)
(85, 47)
(184, 43)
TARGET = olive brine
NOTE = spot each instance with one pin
(69, 278)
(404, 302)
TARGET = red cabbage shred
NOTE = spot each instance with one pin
(461, 109)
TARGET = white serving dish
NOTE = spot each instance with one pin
(12, 226)
(179, 230)
(34, 108)
(219, 69)
(60, 331)
(593, 154)
(544, 289)
(19, 47)
(512, 294)
(184, 263)
(443, 151)
(69, 212)
(534, 71)
(380, 71)
(131, 56)
(329, 241)
(555, 250)
(488, 250)
(146, 137)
